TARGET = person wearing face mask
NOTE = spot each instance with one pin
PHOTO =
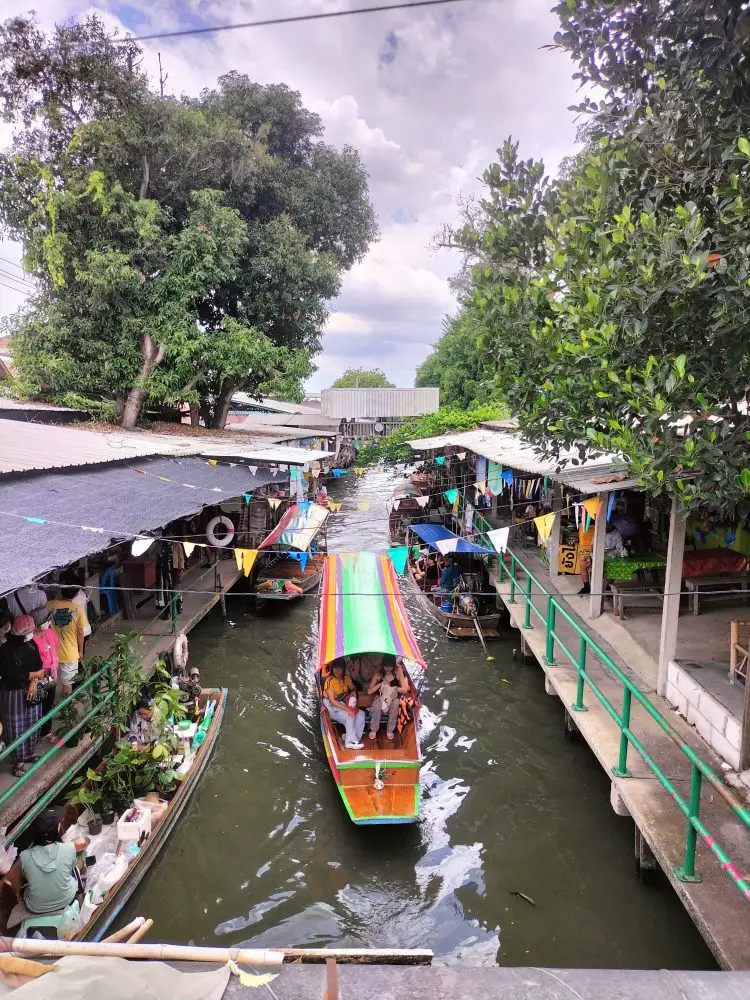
(46, 641)
(20, 669)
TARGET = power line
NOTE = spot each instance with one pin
(296, 19)
(12, 263)
(12, 277)
(19, 291)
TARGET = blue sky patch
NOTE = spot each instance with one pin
(389, 49)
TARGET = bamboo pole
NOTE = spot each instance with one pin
(141, 932)
(219, 956)
(125, 932)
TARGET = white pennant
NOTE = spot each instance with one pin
(499, 538)
(141, 545)
(188, 547)
(422, 501)
(252, 469)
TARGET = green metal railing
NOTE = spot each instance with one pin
(699, 771)
(98, 700)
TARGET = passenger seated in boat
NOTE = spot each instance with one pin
(49, 868)
(362, 669)
(340, 700)
(449, 577)
(426, 569)
(389, 684)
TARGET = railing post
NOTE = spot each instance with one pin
(621, 771)
(512, 595)
(549, 655)
(578, 705)
(686, 871)
(527, 599)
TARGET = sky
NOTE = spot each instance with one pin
(426, 96)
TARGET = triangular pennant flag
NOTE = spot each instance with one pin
(212, 461)
(247, 497)
(359, 471)
(334, 507)
(440, 459)
(248, 560)
(238, 556)
(499, 538)
(461, 456)
(252, 469)
(507, 477)
(274, 503)
(451, 496)
(293, 473)
(363, 505)
(188, 547)
(481, 486)
(544, 526)
(305, 505)
(577, 511)
(591, 506)
(303, 557)
(398, 556)
(140, 546)
(422, 501)
(396, 504)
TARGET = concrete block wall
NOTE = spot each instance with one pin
(716, 724)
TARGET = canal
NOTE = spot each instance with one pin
(265, 853)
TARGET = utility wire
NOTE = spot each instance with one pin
(21, 281)
(296, 19)
(13, 288)
(12, 263)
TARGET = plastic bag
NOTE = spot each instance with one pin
(7, 857)
(70, 921)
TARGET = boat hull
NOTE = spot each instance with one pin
(457, 626)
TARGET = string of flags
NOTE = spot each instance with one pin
(399, 555)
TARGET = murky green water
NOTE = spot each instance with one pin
(265, 852)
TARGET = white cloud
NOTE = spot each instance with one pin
(425, 95)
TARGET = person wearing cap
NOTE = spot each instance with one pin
(20, 669)
(47, 642)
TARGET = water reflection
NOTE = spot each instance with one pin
(266, 854)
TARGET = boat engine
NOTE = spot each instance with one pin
(467, 602)
(467, 605)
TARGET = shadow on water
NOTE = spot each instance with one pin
(266, 854)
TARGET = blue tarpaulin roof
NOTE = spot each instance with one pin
(440, 538)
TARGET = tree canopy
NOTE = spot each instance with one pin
(184, 248)
(457, 365)
(614, 300)
(362, 378)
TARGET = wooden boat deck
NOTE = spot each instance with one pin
(383, 805)
(402, 747)
(290, 569)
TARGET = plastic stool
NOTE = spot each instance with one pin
(40, 923)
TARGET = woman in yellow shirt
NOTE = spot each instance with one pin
(338, 693)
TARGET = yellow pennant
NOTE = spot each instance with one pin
(363, 505)
(248, 560)
(591, 506)
(188, 547)
(334, 508)
(544, 526)
(212, 461)
(359, 471)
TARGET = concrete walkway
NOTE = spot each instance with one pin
(718, 908)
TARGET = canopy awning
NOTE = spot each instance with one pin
(361, 609)
(446, 542)
(297, 527)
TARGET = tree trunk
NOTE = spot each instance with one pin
(221, 406)
(195, 415)
(152, 356)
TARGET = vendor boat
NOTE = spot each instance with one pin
(403, 508)
(291, 557)
(362, 612)
(464, 613)
(163, 821)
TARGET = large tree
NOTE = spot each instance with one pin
(457, 365)
(615, 299)
(92, 132)
(362, 378)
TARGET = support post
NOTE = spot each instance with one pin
(554, 538)
(672, 585)
(597, 559)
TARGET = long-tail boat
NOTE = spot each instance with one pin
(281, 577)
(362, 613)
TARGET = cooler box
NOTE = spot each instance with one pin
(130, 831)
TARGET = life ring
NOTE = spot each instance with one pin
(180, 651)
(211, 527)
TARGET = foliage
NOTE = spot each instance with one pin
(362, 378)
(393, 447)
(184, 248)
(614, 300)
(457, 365)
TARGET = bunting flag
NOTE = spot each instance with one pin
(305, 505)
(140, 546)
(252, 469)
(212, 461)
(245, 559)
(396, 504)
(451, 496)
(359, 471)
(274, 503)
(461, 456)
(398, 556)
(334, 508)
(363, 505)
(440, 460)
(422, 501)
(300, 557)
(293, 474)
(544, 526)
(337, 473)
(188, 547)
(499, 538)
(507, 477)
(284, 468)
(415, 551)
(247, 497)
(610, 504)
(481, 487)
(591, 506)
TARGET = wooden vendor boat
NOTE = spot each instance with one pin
(465, 613)
(280, 577)
(119, 894)
(403, 508)
(362, 612)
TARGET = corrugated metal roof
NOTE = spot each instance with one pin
(348, 404)
(28, 447)
(254, 421)
(117, 498)
(279, 454)
(270, 405)
(510, 449)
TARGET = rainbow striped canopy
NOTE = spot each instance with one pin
(361, 609)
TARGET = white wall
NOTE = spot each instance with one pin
(716, 724)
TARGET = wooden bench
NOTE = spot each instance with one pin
(730, 580)
(632, 594)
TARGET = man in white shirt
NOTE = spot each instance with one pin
(31, 600)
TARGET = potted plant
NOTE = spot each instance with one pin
(88, 795)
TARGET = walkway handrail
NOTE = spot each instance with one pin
(699, 769)
(99, 701)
